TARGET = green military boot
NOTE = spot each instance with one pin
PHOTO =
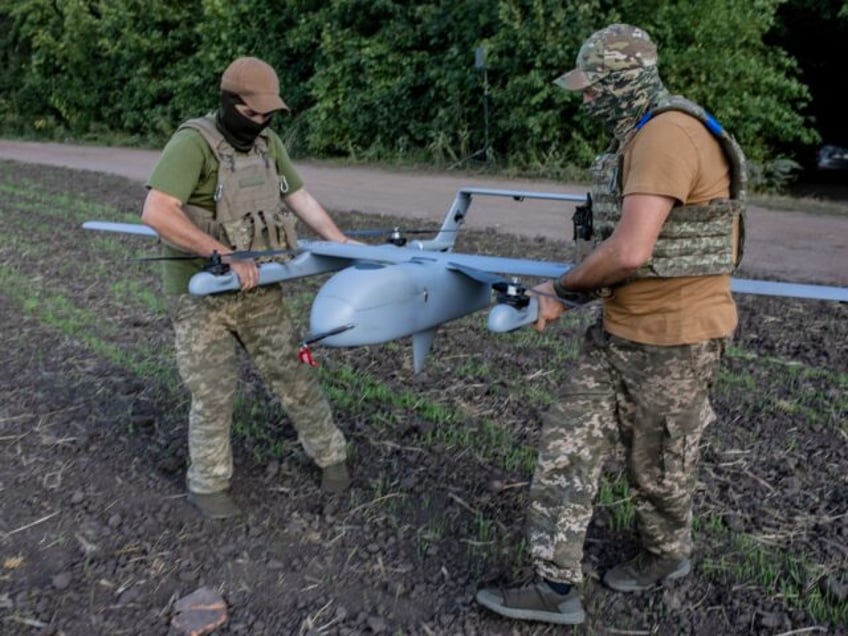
(644, 571)
(215, 505)
(335, 478)
(537, 602)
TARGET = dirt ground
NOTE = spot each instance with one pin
(96, 537)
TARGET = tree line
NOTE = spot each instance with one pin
(388, 80)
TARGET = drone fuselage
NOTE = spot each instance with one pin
(386, 302)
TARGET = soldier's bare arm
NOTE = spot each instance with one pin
(308, 210)
(630, 246)
(164, 213)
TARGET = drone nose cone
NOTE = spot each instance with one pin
(331, 313)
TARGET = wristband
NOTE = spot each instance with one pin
(575, 297)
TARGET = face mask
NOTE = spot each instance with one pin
(240, 131)
(623, 97)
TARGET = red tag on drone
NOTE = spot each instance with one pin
(305, 355)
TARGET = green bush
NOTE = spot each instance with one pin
(386, 79)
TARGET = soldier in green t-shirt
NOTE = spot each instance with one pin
(225, 183)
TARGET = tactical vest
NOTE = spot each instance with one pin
(249, 214)
(695, 240)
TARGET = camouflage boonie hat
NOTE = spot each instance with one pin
(618, 47)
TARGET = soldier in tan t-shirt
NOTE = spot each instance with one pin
(667, 200)
(674, 155)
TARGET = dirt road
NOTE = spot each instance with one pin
(791, 246)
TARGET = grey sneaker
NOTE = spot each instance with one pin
(335, 478)
(215, 505)
(537, 602)
(644, 571)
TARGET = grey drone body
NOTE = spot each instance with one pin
(381, 293)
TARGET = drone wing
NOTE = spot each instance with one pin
(323, 256)
(789, 290)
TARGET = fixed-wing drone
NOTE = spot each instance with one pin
(405, 288)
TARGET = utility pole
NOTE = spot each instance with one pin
(486, 151)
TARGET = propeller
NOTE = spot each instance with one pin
(510, 292)
(244, 255)
(241, 255)
(168, 258)
(214, 264)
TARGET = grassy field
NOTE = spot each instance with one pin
(441, 461)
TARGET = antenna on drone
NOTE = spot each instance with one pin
(485, 152)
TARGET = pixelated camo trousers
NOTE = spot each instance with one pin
(650, 401)
(207, 330)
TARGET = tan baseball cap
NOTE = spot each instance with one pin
(618, 47)
(255, 82)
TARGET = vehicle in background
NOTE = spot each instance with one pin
(832, 157)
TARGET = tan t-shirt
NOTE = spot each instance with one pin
(674, 155)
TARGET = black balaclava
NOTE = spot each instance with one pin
(240, 131)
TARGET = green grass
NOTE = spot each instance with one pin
(614, 495)
(30, 195)
(774, 385)
(57, 311)
(791, 578)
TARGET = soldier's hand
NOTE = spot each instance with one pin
(550, 309)
(247, 272)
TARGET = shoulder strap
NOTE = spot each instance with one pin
(732, 151)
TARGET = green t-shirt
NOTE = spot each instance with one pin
(188, 170)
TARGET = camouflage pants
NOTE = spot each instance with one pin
(207, 329)
(650, 401)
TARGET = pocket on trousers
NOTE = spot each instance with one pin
(682, 437)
